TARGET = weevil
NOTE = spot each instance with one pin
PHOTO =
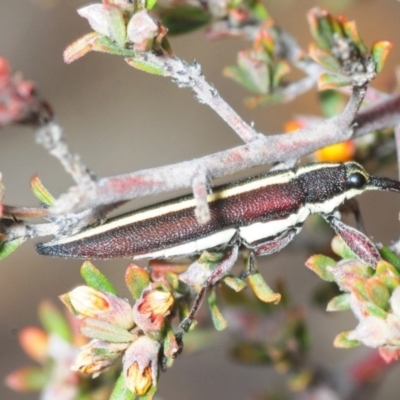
(262, 213)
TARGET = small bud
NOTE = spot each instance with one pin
(87, 302)
(35, 343)
(140, 382)
(97, 356)
(371, 331)
(142, 29)
(96, 14)
(140, 365)
(150, 311)
(157, 302)
(339, 152)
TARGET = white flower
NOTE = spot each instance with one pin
(97, 17)
(141, 28)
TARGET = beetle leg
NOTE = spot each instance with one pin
(270, 246)
(217, 274)
(276, 244)
(352, 206)
(359, 243)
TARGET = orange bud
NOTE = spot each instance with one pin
(293, 125)
(26, 379)
(35, 342)
(338, 152)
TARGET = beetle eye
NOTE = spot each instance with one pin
(356, 180)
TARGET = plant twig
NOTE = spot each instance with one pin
(266, 149)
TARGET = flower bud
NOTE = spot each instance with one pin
(87, 302)
(156, 302)
(140, 365)
(97, 356)
(96, 14)
(35, 343)
(150, 311)
(142, 29)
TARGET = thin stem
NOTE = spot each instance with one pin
(185, 75)
(50, 136)
(266, 149)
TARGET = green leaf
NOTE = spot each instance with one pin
(320, 27)
(219, 321)
(146, 66)
(281, 69)
(351, 31)
(41, 192)
(174, 282)
(105, 44)
(80, 47)
(378, 293)
(262, 290)
(150, 4)
(340, 248)
(211, 258)
(95, 279)
(150, 394)
(342, 341)
(6, 248)
(339, 303)
(324, 58)
(320, 264)
(390, 257)
(387, 274)
(267, 100)
(67, 302)
(234, 283)
(170, 346)
(332, 102)
(54, 321)
(94, 42)
(376, 311)
(96, 329)
(184, 18)
(137, 279)
(27, 379)
(116, 24)
(332, 81)
(259, 11)
(121, 392)
(379, 52)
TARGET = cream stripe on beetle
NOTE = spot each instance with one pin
(230, 191)
(277, 177)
